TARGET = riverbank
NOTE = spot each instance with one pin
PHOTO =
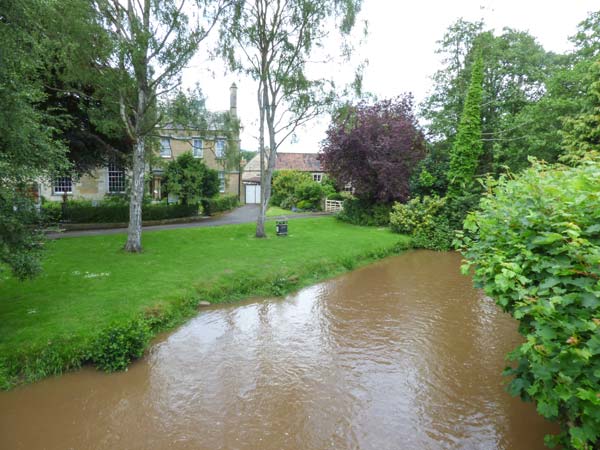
(51, 324)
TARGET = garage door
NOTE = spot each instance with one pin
(252, 193)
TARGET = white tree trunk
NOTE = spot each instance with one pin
(134, 231)
(264, 202)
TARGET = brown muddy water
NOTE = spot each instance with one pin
(402, 354)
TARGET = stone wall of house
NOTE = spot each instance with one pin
(88, 187)
(95, 186)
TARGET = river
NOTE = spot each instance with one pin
(401, 354)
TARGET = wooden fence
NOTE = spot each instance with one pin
(333, 205)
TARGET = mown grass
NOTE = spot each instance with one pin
(49, 325)
(275, 211)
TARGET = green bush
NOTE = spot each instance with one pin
(535, 248)
(120, 344)
(188, 178)
(84, 212)
(423, 218)
(51, 212)
(364, 212)
(284, 186)
(305, 205)
(336, 196)
(309, 194)
(328, 185)
(214, 205)
(288, 202)
(291, 188)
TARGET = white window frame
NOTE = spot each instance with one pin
(221, 181)
(197, 150)
(165, 145)
(220, 145)
(318, 177)
(115, 172)
(61, 183)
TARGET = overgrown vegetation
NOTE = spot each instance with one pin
(365, 212)
(118, 345)
(295, 189)
(189, 179)
(46, 330)
(423, 219)
(534, 246)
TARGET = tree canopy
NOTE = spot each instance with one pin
(29, 149)
(189, 179)
(273, 42)
(155, 40)
(375, 148)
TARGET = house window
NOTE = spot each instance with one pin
(116, 178)
(348, 187)
(165, 147)
(317, 177)
(197, 148)
(220, 148)
(221, 181)
(63, 185)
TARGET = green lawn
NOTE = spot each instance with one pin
(274, 211)
(89, 282)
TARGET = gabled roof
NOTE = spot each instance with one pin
(304, 162)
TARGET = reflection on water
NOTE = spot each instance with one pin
(403, 354)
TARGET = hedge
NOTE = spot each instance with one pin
(423, 218)
(85, 212)
(535, 248)
(214, 205)
(364, 212)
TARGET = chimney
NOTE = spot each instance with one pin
(233, 100)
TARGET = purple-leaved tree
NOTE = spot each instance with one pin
(375, 148)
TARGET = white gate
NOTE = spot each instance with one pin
(252, 193)
(333, 205)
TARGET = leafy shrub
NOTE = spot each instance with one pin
(364, 212)
(288, 202)
(305, 205)
(458, 206)
(328, 185)
(85, 212)
(21, 241)
(188, 178)
(423, 218)
(51, 212)
(336, 196)
(116, 347)
(429, 178)
(535, 248)
(284, 185)
(214, 205)
(290, 187)
(309, 193)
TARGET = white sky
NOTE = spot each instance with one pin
(400, 49)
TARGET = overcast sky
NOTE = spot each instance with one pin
(400, 49)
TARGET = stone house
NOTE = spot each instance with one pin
(211, 145)
(303, 162)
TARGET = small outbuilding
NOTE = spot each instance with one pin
(303, 162)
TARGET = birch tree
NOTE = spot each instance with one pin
(155, 40)
(273, 41)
